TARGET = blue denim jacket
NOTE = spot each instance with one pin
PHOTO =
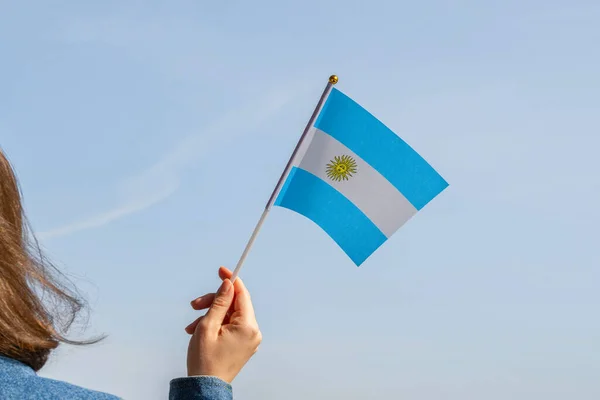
(20, 382)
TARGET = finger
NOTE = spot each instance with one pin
(243, 301)
(203, 302)
(191, 328)
(223, 300)
(225, 273)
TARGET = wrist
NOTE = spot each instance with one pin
(209, 373)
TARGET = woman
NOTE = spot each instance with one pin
(37, 308)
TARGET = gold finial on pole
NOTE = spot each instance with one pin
(333, 79)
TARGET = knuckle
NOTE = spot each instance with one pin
(255, 334)
(258, 340)
(220, 301)
(203, 324)
(259, 337)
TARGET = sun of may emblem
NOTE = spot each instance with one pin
(341, 168)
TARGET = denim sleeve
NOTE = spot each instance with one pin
(200, 388)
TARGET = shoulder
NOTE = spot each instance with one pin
(38, 388)
(20, 382)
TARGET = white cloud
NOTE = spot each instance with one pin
(161, 180)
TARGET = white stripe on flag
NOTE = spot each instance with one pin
(367, 189)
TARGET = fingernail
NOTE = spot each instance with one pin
(226, 287)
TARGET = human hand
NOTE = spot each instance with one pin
(226, 337)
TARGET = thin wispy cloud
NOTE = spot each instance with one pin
(161, 180)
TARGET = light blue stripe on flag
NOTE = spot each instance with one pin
(352, 125)
(310, 196)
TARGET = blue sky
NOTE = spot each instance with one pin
(148, 135)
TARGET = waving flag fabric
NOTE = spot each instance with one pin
(357, 179)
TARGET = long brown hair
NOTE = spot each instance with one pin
(37, 306)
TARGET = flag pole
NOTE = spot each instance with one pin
(333, 79)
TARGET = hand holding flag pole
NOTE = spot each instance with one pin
(333, 79)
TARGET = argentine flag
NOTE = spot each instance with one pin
(357, 179)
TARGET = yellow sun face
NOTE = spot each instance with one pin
(341, 168)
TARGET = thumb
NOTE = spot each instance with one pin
(223, 300)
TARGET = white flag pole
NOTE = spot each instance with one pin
(333, 79)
